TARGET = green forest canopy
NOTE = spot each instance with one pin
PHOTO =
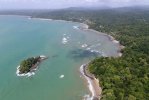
(26, 65)
(126, 77)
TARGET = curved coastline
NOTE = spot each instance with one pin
(93, 83)
(85, 27)
(82, 26)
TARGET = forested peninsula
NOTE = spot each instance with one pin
(121, 78)
(126, 77)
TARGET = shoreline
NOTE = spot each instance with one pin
(85, 27)
(93, 83)
(82, 26)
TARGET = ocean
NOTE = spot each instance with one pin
(67, 48)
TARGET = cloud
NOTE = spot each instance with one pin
(91, 0)
(68, 3)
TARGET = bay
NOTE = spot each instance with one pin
(67, 48)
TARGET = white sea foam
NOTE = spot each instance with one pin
(61, 76)
(94, 51)
(24, 74)
(87, 97)
(91, 88)
(88, 49)
(75, 27)
(43, 57)
(64, 40)
(84, 45)
(31, 72)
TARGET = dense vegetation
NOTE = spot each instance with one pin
(126, 77)
(27, 64)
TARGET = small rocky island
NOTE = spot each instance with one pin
(28, 66)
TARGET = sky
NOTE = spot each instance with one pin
(57, 4)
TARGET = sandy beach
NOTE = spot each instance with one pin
(93, 83)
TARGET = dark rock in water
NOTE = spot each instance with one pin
(80, 53)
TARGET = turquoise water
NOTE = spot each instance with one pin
(21, 38)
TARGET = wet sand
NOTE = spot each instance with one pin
(93, 83)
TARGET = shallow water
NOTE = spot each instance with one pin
(21, 38)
